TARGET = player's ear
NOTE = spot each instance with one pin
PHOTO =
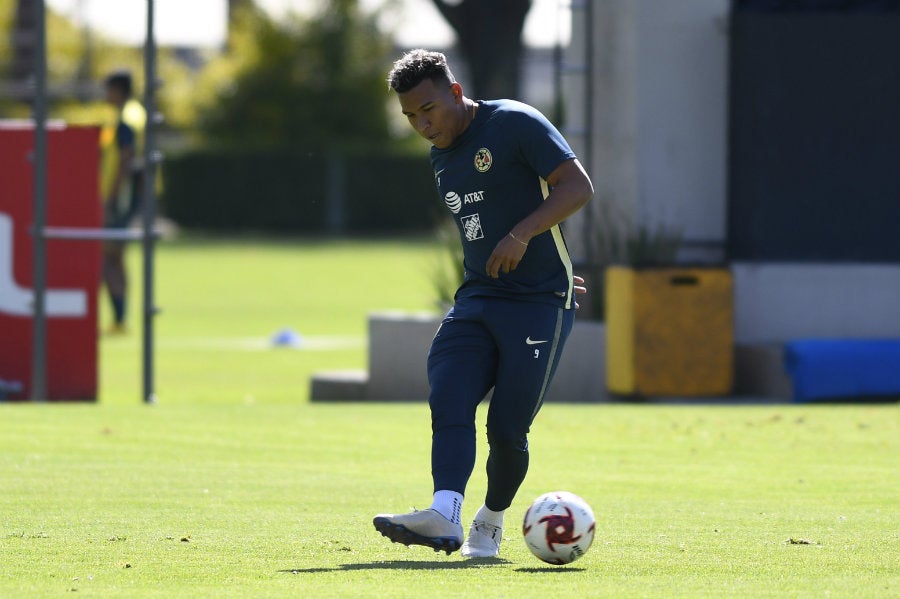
(457, 91)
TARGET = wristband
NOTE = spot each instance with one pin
(517, 239)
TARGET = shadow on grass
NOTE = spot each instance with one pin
(404, 565)
(470, 564)
(553, 569)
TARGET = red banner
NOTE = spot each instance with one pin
(73, 267)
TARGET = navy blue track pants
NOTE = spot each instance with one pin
(484, 343)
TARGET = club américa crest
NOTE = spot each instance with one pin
(483, 160)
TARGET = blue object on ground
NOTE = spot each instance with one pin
(287, 338)
(843, 368)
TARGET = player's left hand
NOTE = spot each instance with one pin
(579, 288)
(506, 256)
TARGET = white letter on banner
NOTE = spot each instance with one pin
(19, 301)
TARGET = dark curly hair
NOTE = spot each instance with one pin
(416, 66)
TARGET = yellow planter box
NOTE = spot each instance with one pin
(669, 331)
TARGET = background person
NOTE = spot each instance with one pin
(121, 178)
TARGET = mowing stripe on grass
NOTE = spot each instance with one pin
(316, 343)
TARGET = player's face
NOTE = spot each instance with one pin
(113, 95)
(436, 111)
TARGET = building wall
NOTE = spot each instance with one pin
(681, 117)
(648, 114)
(777, 302)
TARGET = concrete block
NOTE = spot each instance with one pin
(339, 385)
(581, 374)
(398, 351)
(760, 372)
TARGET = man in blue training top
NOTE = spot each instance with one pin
(509, 179)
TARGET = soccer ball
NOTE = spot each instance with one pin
(559, 527)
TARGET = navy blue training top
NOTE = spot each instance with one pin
(491, 178)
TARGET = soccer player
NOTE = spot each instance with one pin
(509, 179)
(120, 183)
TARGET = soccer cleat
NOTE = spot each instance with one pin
(117, 329)
(483, 540)
(427, 527)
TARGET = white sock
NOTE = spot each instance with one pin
(449, 505)
(490, 516)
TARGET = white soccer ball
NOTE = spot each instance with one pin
(559, 527)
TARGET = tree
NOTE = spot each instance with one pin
(490, 39)
(314, 82)
(77, 62)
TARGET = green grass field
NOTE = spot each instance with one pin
(235, 485)
(222, 301)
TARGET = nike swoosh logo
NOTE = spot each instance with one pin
(438, 173)
(531, 341)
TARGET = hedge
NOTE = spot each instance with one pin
(299, 192)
